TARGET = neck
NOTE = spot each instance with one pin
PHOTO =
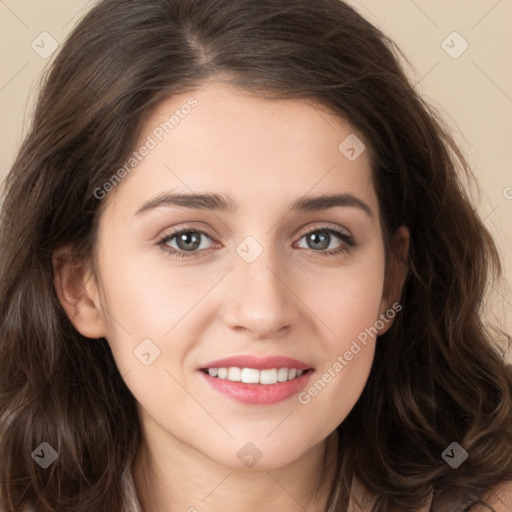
(182, 479)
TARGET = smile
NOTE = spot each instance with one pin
(254, 376)
(256, 380)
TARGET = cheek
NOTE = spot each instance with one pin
(349, 307)
(147, 311)
(348, 356)
(141, 307)
(150, 299)
(350, 300)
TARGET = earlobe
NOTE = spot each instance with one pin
(78, 294)
(396, 274)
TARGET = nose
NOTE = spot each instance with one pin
(259, 298)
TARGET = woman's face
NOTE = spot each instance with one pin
(263, 282)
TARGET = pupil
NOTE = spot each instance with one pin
(320, 238)
(185, 238)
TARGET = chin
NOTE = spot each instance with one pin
(262, 454)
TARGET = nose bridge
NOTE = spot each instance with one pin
(260, 300)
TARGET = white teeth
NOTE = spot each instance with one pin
(253, 376)
(234, 374)
(250, 376)
(268, 376)
(282, 374)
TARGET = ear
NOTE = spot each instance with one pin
(77, 292)
(396, 274)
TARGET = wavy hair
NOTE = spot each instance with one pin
(438, 375)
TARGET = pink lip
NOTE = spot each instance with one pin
(259, 394)
(258, 363)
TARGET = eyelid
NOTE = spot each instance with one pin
(325, 227)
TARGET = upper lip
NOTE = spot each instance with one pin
(258, 363)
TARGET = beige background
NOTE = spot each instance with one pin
(473, 91)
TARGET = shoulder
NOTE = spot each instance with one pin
(500, 499)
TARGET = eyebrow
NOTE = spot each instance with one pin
(219, 202)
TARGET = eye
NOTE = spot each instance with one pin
(321, 238)
(188, 240)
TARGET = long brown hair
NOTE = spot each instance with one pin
(437, 376)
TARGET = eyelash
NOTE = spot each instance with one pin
(347, 239)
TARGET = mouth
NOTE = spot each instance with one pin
(254, 380)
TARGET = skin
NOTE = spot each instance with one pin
(293, 300)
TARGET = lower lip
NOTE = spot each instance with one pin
(260, 394)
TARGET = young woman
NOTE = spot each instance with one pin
(238, 271)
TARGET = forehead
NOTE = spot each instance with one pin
(255, 150)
